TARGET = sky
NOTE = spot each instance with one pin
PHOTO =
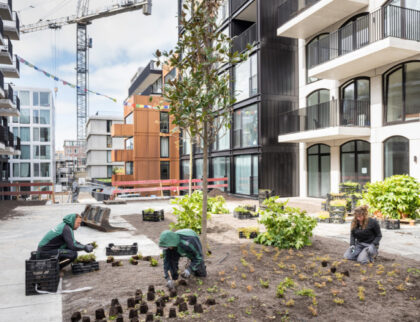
(121, 44)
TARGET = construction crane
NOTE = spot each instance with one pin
(83, 18)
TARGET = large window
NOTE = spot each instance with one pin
(246, 174)
(246, 127)
(317, 52)
(396, 156)
(164, 147)
(355, 162)
(185, 143)
(246, 78)
(223, 12)
(157, 86)
(129, 143)
(318, 109)
(25, 116)
(354, 33)
(25, 134)
(355, 102)
(109, 141)
(221, 169)
(44, 116)
(42, 152)
(129, 170)
(170, 76)
(108, 157)
(319, 166)
(35, 118)
(35, 134)
(45, 169)
(25, 170)
(129, 118)
(35, 99)
(44, 99)
(164, 170)
(222, 141)
(44, 134)
(24, 98)
(198, 164)
(164, 122)
(185, 169)
(25, 152)
(402, 93)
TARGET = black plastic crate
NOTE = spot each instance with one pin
(390, 224)
(81, 268)
(252, 235)
(337, 219)
(41, 274)
(121, 250)
(155, 216)
(326, 220)
(242, 215)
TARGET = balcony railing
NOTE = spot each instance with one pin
(16, 101)
(325, 115)
(10, 5)
(236, 4)
(16, 143)
(10, 140)
(389, 21)
(9, 93)
(4, 132)
(249, 36)
(17, 22)
(291, 8)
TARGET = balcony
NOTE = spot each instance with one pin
(327, 121)
(386, 36)
(16, 145)
(12, 28)
(6, 10)
(10, 105)
(11, 71)
(6, 141)
(249, 36)
(144, 78)
(236, 4)
(122, 130)
(304, 18)
(6, 53)
(122, 155)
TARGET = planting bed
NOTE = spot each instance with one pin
(243, 280)
(81, 268)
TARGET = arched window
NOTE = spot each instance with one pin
(355, 102)
(319, 166)
(318, 109)
(354, 33)
(317, 52)
(402, 93)
(396, 156)
(355, 161)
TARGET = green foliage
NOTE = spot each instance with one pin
(283, 286)
(394, 196)
(306, 292)
(272, 205)
(149, 211)
(338, 203)
(189, 211)
(241, 210)
(288, 228)
(216, 205)
(85, 258)
(153, 262)
(323, 215)
(263, 283)
(248, 230)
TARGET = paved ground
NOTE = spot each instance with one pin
(20, 235)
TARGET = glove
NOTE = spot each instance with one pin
(170, 284)
(88, 248)
(186, 273)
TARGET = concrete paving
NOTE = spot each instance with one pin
(20, 235)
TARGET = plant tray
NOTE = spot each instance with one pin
(155, 216)
(324, 206)
(121, 250)
(81, 268)
(337, 219)
(326, 220)
(252, 235)
(42, 274)
(390, 224)
(243, 215)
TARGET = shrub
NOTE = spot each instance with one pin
(323, 215)
(272, 205)
(149, 211)
(241, 209)
(189, 211)
(338, 203)
(288, 228)
(394, 196)
(216, 205)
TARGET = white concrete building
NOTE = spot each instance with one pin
(99, 146)
(359, 91)
(36, 129)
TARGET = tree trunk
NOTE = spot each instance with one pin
(191, 168)
(205, 177)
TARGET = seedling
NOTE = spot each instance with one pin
(302, 277)
(339, 276)
(314, 301)
(231, 299)
(251, 269)
(133, 261)
(334, 292)
(110, 259)
(281, 288)
(320, 285)
(221, 273)
(413, 271)
(88, 258)
(244, 262)
(243, 275)
(233, 285)
(249, 288)
(94, 244)
(400, 287)
(281, 265)
(290, 303)
(231, 316)
(306, 292)
(153, 262)
(199, 282)
(338, 301)
(263, 283)
(118, 263)
(313, 310)
(248, 311)
(361, 293)
(213, 289)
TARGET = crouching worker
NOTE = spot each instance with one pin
(60, 241)
(364, 237)
(182, 243)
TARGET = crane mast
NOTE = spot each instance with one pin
(83, 18)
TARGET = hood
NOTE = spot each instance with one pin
(168, 239)
(70, 219)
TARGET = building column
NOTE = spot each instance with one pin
(376, 161)
(414, 158)
(335, 168)
(303, 171)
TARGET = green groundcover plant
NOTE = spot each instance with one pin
(286, 227)
(393, 197)
(188, 210)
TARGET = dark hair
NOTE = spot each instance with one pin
(360, 211)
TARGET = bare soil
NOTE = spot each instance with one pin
(8, 207)
(382, 291)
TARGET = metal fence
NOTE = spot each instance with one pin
(291, 8)
(249, 36)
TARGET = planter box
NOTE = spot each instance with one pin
(326, 220)
(252, 235)
(42, 274)
(324, 206)
(335, 209)
(390, 223)
(155, 216)
(81, 268)
(337, 219)
(243, 215)
(121, 250)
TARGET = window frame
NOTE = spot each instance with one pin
(384, 156)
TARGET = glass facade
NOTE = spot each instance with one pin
(164, 147)
(396, 156)
(221, 169)
(245, 127)
(246, 78)
(164, 122)
(129, 143)
(246, 174)
(129, 118)
(355, 162)
(164, 170)
(129, 170)
(319, 166)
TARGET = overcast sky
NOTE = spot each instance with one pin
(121, 44)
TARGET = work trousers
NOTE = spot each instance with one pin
(65, 256)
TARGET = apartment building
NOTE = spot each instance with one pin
(359, 90)
(65, 170)
(36, 128)
(99, 145)
(9, 103)
(151, 146)
(76, 150)
(265, 86)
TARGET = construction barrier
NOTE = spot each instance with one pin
(98, 218)
(175, 187)
(20, 192)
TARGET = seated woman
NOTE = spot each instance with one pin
(364, 237)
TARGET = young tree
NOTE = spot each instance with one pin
(199, 96)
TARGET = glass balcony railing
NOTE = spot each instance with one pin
(389, 21)
(291, 8)
(325, 115)
(249, 36)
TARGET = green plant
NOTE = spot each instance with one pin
(248, 230)
(216, 205)
(338, 203)
(323, 215)
(149, 211)
(361, 293)
(306, 292)
(188, 212)
(94, 244)
(292, 229)
(394, 196)
(241, 209)
(271, 204)
(263, 283)
(85, 258)
(153, 262)
(414, 271)
(283, 286)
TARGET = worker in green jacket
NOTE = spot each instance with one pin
(60, 241)
(182, 243)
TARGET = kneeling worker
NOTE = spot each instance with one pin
(182, 243)
(60, 241)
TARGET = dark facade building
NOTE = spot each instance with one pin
(265, 86)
